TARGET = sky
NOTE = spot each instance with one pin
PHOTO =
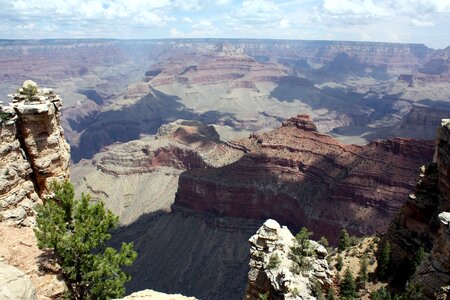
(404, 21)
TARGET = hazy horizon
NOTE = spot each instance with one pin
(405, 21)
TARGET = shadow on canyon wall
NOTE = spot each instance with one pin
(128, 122)
(195, 254)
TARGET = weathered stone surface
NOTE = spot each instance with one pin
(15, 284)
(33, 152)
(277, 280)
(153, 295)
(301, 177)
(141, 176)
(424, 222)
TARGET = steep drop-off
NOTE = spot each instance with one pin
(33, 151)
(301, 177)
(423, 222)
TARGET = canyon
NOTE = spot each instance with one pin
(195, 143)
(355, 91)
(184, 193)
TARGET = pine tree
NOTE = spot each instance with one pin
(77, 231)
(383, 258)
(363, 275)
(324, 242)
(330, 294)
(340, 262)
(344, 240)
(301, 250)
(348, 286)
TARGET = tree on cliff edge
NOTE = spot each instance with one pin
(77, 231)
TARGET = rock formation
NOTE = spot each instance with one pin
(271, 273)
(423, 222)
(153, 295)
(33, 150)
(434, 272)
(301, 177)
(15, 284)
(141, 176)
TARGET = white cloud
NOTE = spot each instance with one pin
(284, 24)
(258, 12)
(421, 23)
(187, 20)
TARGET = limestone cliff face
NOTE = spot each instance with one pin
(277, 280)
(423, 222)
(33, 151)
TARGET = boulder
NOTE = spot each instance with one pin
(15, 284)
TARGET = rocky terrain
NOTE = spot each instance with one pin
(356, 91)
(423, 222)
(34, 151)
(301, 177)
(141, 177)
(271, 272)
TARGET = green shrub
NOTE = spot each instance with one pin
(344, 240)
(77, 231)
(274, 261)
(301, 250)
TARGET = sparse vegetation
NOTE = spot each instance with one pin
(339, 263)
(29, 91)
(77, 231)
(264, 296)
(324, 242)
(348, 286)
(274, 261)
(344, 240)
(301, 250)
(363, 275)
(330, 294)
(383, 258)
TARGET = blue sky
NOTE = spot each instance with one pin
(418, 21)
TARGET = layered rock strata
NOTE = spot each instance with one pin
(274, 278)
(424, 222)
(141, 176)
(33, 150)
(301, 177)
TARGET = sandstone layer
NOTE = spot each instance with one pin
(301, 177)
(277, 280)
(141, 177)
(33, 150)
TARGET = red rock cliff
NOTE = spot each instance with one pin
(301, 177)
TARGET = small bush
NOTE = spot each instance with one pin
(29, 91)
(274, 261)
(339, 263)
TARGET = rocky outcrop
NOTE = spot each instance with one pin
(433, 274)
(153, 295)
(271, 267)
(15, 284)
(141, 176)
(424, 222)
(301, 177)
(33, 151)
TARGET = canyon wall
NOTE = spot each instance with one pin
(301, 177)
(33, 151)
(423, 222)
